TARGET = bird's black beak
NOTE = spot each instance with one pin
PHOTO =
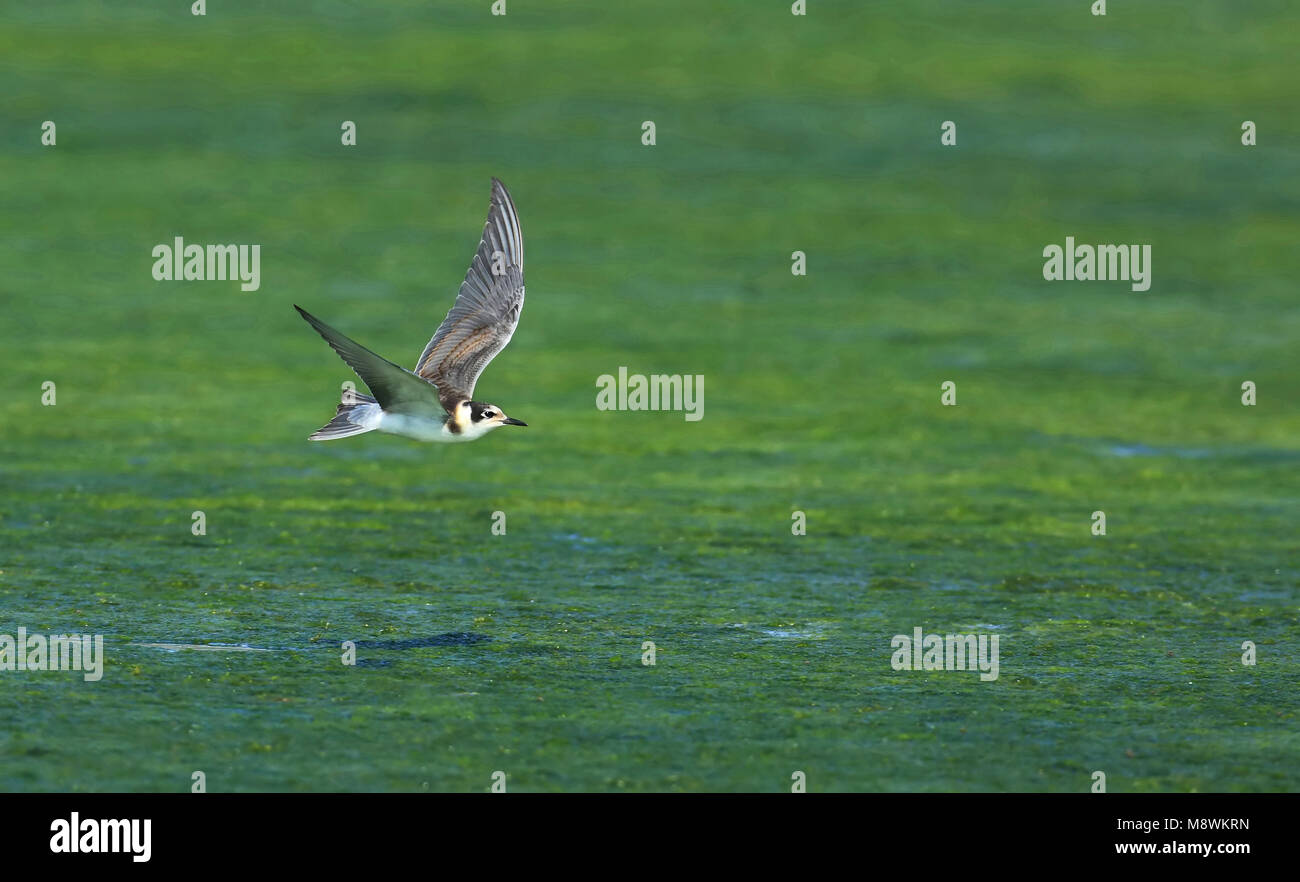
(511, 421)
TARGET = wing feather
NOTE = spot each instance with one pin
(395, 388)
(486, 312)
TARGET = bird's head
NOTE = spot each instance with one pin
(488, 416)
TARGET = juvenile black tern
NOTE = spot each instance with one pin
(435, 401)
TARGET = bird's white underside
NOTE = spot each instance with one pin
(416, 427)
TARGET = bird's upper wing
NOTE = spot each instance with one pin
(486, 311)
(395, 388)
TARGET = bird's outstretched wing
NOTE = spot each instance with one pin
(395, 388)
(486, 311)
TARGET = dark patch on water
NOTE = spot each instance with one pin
(455, 638)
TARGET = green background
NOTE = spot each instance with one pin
(775, 133)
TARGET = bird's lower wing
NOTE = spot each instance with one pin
(395, 388)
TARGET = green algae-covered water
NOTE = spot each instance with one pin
(525, 652)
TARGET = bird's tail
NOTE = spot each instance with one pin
(356, 415)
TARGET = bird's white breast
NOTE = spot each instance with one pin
(425, 429)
